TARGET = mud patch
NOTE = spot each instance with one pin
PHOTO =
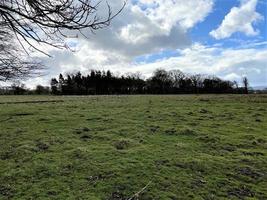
(241, 192)
(122, 144)
(6, 191)
(253, 174)
(154, 129)
(42, 146)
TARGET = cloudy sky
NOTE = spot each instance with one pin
(227, 38)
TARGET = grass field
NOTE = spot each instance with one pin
(133, 147)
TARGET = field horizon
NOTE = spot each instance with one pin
(124, 147)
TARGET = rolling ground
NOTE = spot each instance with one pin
(133, 147)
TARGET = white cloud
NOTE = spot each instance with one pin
(149, 26)
(214, 60)
(167, 13)
(230, 64)
(133, 34)
(232, 77)
(239, 19)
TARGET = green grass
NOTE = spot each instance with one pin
(111, 147)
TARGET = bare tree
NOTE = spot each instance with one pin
(32, 22)
(236, 84)
(177, 77)
(197, 81)
(245, 84)
(46, 21)
(15, 63)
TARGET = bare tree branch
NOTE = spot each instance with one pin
(15, 63)
(44, 21)
(47, 22)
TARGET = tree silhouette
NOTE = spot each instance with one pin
(162, 82)
(54, 86)
(196, 82)
(245, 84)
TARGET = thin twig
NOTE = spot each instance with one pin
(140, 192)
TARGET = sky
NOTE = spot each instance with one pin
(226, 38)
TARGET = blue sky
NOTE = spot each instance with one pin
(226, 38)
(200, 33)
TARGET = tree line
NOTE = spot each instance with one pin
(21, 89)
(161, 82)
(106, 83)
